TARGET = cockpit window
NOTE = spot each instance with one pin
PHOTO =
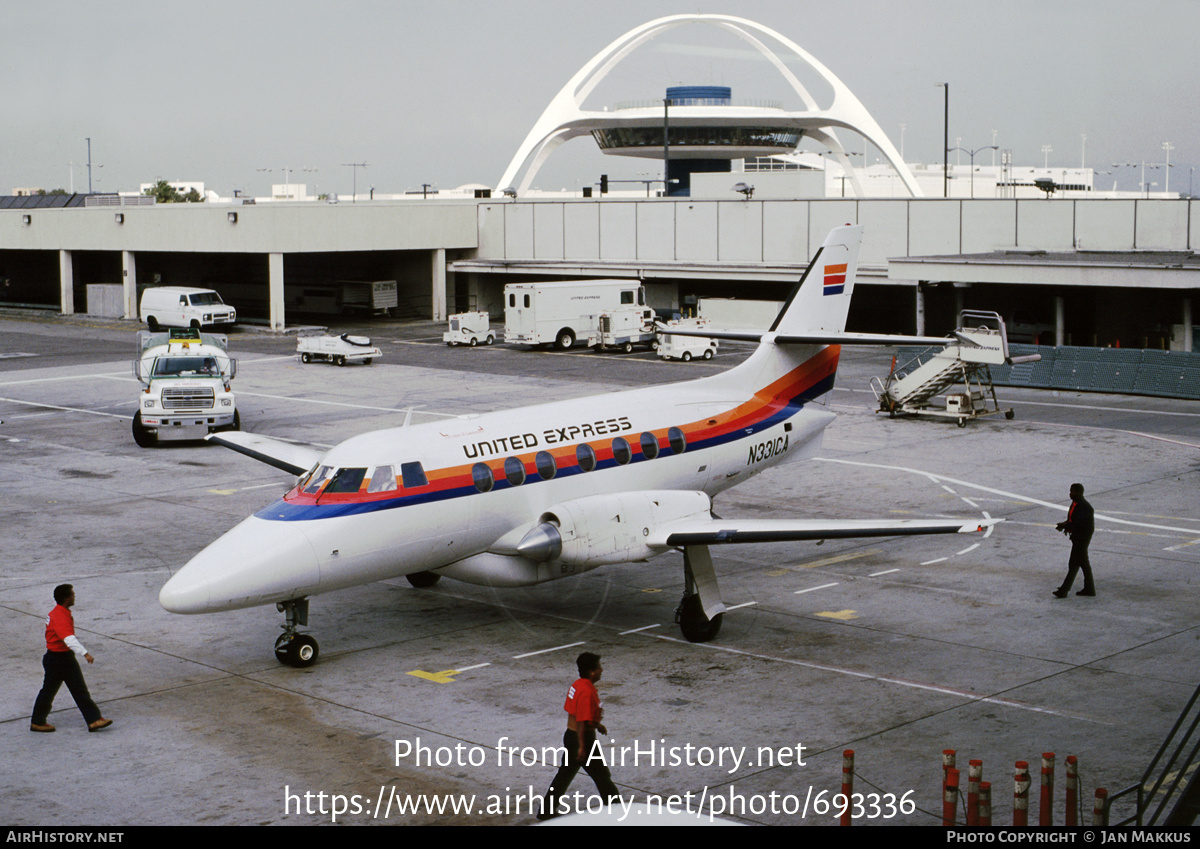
(383, 479)
(313, 485)
(346, 481)
(413, 475)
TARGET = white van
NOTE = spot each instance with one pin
(181, 306)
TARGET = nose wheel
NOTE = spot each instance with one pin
(293, 648)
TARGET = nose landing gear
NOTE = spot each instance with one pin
(293, 648)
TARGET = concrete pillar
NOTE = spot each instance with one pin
(275, 290)
(920, 316)
(129, 283)
(66, 283)
(1187, 324)
(438, 282)
(1060, 321)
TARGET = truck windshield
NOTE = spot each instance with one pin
(186, 367)
(205, 299)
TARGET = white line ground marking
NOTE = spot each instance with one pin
(931, 562)
(1026, 498)
(882, 679)
(812, 589)
(884, 572)
(545, 651)
(67, 409)
(643, 628)
(469, 668)
(743, 604)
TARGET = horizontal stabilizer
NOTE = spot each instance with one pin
(722, 531)
(293, 459)
(830, 338)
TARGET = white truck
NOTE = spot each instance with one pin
(672, 346)
(337, 349)
(560, 313)
(469, 328)
(624, 327)
(185, 376)
(183, 306)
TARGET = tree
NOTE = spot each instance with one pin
(164, 192)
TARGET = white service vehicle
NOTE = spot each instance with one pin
(560, 313)
(469, 328)
(337, 349)
(625, 327)
(185, 377)
(183, 306)
(675, 347)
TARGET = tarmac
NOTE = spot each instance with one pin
(425, 702)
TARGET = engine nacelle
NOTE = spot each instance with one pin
(603, 529)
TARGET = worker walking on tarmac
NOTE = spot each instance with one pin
(584, 718)
(61, 666)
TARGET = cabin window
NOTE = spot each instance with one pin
(627, 297)
(514, 470)
(545, 465)
(649, 445)
(586, 457)
(526, 302)
(346, 481)
(512, 300)
(481, 473)
(622, 453)
(413, 475)
(677, 439)
(318, 477)
(383, 479)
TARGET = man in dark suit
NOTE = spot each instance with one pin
(1079, 526)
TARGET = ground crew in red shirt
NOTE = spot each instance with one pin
(584, 718)
(61, 666)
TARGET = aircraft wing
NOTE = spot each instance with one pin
(292, 458)
(697, 531)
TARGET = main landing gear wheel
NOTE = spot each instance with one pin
(423, 580)
(297, 650)
(696, 627)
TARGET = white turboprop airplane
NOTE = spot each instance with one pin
(533, 494)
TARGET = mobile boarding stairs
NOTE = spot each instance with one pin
(979, 342)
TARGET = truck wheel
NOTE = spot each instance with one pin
(237, 421)
(195, 324)
(490, 339)
(340, 360)
(141, 434)
(686, 356)
(708, 354)
(565, 340)
(367, 361)
(627, 348)
(152, 323)
(306, 358)
(474, 342)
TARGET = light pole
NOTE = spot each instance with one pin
(945, 142)
(971, 153)
(1168, 147)
(1046, 149)
(355, 166)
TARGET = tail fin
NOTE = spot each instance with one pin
(820, 302)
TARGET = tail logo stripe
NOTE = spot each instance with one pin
(835, 279)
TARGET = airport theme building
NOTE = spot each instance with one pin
(1063, 268)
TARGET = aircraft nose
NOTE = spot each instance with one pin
(258, 562)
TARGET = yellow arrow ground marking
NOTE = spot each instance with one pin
(446, 675)
(829, 614)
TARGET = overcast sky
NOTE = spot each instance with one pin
(444, 91)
